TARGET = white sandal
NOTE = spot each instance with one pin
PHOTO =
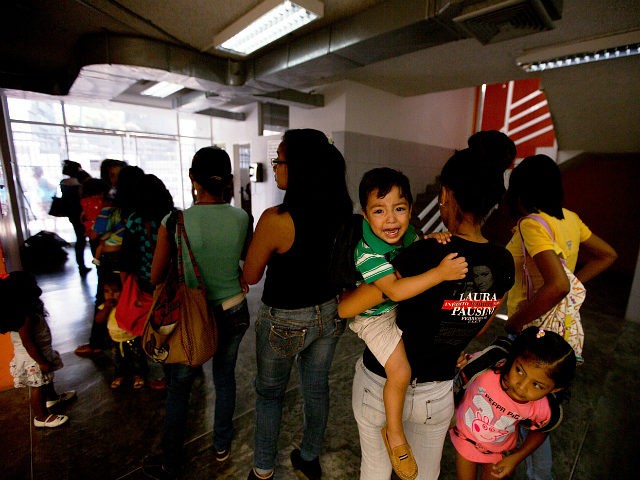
(51, 421)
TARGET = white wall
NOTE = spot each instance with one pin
(443, 119)
(371, 128)
(328, 119)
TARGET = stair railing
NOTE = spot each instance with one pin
(433, 213)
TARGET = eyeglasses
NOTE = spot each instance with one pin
(276, 161)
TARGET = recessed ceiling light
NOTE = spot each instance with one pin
(578, 53)
(161, 89)
(267, 22)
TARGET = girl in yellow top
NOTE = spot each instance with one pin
(535, 187)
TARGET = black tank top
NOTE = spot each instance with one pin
(299, 277)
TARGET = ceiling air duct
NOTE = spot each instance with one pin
(498, 20)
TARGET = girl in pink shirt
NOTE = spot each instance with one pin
(485, 434)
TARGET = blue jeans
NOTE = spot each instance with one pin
(309, 336)
(232, 325)
(540, 462)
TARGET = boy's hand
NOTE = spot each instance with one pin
(441, 237)
(453, 267)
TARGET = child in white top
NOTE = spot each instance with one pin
(34, 361)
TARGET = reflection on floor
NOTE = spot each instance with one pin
(109, 432)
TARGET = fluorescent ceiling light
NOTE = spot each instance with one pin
(593, 50)
(270, 20)
(161, 89)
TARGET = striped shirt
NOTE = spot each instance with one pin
(373, 256)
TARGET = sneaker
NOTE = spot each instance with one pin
(253, 476)
(223, 455)
(309, 469)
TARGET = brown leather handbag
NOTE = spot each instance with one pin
(181, 328)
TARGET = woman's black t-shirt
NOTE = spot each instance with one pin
(439, 323)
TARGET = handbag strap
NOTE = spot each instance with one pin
(546, 226)
(181, 233)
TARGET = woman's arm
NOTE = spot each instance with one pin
(490, 321)
(161, 257)
(601, 256)
(274, 233)
(555, 287)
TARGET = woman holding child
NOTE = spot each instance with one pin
(437, 324)
(298, 316)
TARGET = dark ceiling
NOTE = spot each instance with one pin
(103, 49)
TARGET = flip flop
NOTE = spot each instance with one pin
(117, 383)
(63, 397)
(51, 421)
(138, 382)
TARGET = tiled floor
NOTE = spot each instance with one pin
(109, 432)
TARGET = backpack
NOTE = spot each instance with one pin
(487, 358)
(342, 265)
(491, 357)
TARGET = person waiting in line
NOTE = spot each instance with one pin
(535, 187)
(34, 361)
(511, 395)
(386, 201)
(129, 359)
(70, 191)
(143, 207)
(109, 227)
(218, 234)
(437, 324)
(293, 243)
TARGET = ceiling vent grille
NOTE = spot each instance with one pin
(495, 21)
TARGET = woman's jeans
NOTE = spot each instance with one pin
(309, 336)
(428, 409)
(232, 325)
(539, 464)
